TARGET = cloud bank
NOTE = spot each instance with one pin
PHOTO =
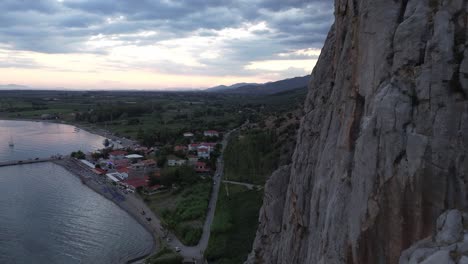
(197, 42)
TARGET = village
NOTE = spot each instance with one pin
(137, 168)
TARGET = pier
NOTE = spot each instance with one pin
(28, 161)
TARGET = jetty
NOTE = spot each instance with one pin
(28, 161)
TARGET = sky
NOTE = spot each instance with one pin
(158, 44)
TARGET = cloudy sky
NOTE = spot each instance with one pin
(158, 44)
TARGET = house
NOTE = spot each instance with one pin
(180, 148)
(117, 164)
(117, 176)
(192, 160)
(142, 168)
(211, 133)
(117, 155)
(175, 161)
(201, 167)
(137, 182)
(188, 134)
(203, 152)
(193, 146)
(211, 146)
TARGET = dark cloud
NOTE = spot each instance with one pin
(51, 26)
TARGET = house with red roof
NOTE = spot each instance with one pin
(137, 182)
(203, 152)
(193, 146)
(211, 146)
(180, 148)
(201, 167)
(123, 163)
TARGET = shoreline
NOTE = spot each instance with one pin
(92, 130)
(128, 206)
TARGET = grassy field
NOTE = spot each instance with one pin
(183, 211)
(234, 225)
(251, 157)
(161, 115)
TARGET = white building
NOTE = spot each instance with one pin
(175, 161)
(211, 133)
(203, 152)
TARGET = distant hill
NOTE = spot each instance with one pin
(222, 88)
(264, 89)
(14, 87)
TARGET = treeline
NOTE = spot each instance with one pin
(114, 112)
(251, 157)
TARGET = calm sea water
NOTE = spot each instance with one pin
(42, 139)
(48, 216)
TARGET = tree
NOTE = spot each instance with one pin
(106, 142)
(78, 155)
(154, 180)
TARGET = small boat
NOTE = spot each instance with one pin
(11, 143)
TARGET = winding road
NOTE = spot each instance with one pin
(192, 254)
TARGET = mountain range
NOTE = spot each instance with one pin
(263, 89)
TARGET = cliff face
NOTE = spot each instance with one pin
(383, 146)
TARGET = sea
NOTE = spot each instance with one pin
(47, 215)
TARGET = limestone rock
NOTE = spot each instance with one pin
(447, 246)
(382, 149)
(463, 260)
(440, 257)
(449, 227)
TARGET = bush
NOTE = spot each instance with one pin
(189, 235)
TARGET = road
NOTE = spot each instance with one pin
(196, 252)
(248, 185)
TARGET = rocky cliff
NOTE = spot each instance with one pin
(382, 150)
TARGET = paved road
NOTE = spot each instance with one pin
(248, 185)
(196, 252)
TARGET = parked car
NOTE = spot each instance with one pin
(177, 249)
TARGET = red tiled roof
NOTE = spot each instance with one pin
(137, 182)
(123, 169)
(121, 163)
(99, 171)
(149, 162)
